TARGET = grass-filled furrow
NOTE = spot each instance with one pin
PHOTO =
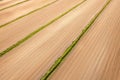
(67, 51)
(39, 29)
(27, 14)
(13, 5)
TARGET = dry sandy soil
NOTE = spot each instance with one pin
(32, 22)
(21, 9)
(6, 3)
(95, 57)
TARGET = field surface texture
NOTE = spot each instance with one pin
(59, 39)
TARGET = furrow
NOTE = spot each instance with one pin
(39, 29)
(3, 25)
(67, 51)
(13, 5)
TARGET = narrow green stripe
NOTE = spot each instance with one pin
(13, 5)
(27, 14)
(36, 31)
(67, 51)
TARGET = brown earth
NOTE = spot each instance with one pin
(95, 57)
(19, 10)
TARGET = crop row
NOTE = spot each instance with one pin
(68, 50)
(26, 14)
(38, 30)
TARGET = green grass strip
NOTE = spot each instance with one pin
(36, 31)
(67, 51)
(27, 14)
(13, 5)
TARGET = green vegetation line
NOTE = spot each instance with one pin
(27, 14)
(36, 31)
(13, 5)
(67, 51)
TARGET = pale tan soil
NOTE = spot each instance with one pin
(33, 58)
(6, 3)
(21, 28)
(97, 55)
(14, 12)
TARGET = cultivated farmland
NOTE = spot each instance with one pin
(60, 40)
